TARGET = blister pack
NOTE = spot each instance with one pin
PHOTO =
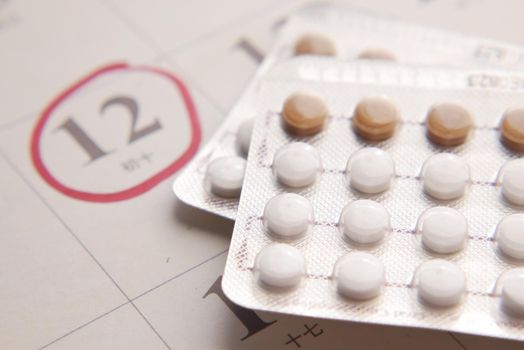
(403, 208)
(348, 34)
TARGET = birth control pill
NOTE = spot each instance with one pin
(315, 44)
(510, 235)
(440, 283)
(512, 175)
(448, 124)
(304, 114)
(244, 132)
(224, 176)
(375, 118)
(377, 53)
(370, 170)
(288, 215)
(359, 275)
(364, 221)
(280, 265)
(512, 129)
(296, 164)
(511, 283)
(444, 230)
(445, 176)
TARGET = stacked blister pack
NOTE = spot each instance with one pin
(373, 169)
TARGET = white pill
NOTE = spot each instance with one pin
(513, 181)
(364, 221)
(296, 164)
(280, 265)
(288, 215)
(510, 235)
(445, 176)
(225, 175)
(512, 294)
(440, 283)
(444, 230)
(359, 275)
(370, 170)
(244, 135)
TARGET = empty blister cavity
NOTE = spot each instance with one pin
(510, 289)
(359, 276)
(370, 170)
(244, 132)
(376, 118)
(440, 283)
(510, 236)
(297, 164)
(364, 221)
(443, 230)
(315, 44)
(511, 178)
(512, 129)
(448, 124)
(288, 216)
(304, 114)
(280, 266)
(445, 176)
(225, 175)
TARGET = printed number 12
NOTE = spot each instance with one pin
(90, 146)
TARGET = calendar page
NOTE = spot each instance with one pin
(102, 103)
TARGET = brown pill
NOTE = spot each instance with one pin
(315, 44)
(304, 114)
(512, 129)
(448, 124)
(376, 118)
(377, 54)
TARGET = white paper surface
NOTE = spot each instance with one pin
(134, 274)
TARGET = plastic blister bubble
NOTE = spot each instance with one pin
(354, 33)
(478, 310)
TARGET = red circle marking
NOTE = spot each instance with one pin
(139, 188)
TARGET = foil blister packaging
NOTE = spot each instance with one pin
(352, 31)
(401, 251)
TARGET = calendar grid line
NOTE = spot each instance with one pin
(82, 245)
(160, 285)
(160, 54)
(83, 325)
(197, 87)
(19, 120)
(207, 36)
(139, 32)
(150, 325)
(64, 224)
(179, 275)
(155, 58)
(201, 43)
